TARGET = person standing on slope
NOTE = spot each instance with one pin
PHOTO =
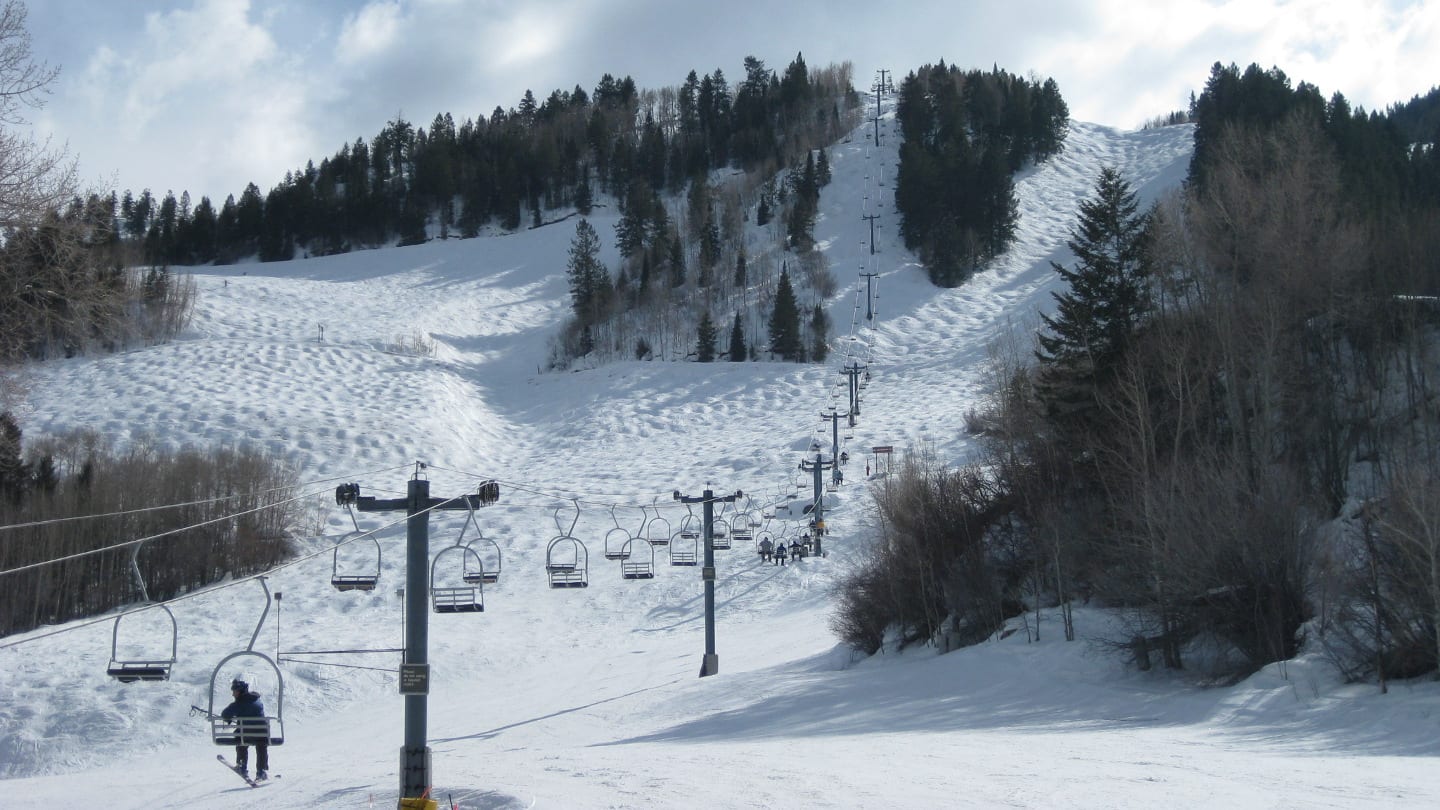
(252, 729)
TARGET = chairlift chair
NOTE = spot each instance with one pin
(685, 547)
(358, 580)
(617, 544)
(657, 532)
(249, 730)
(144, 668)
(363, 578)
(151, 667)
(636, 564)
(742, 529)
(480, 572)
(485, 573)
(567, 562)
(450, 598)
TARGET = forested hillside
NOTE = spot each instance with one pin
(1226, 426)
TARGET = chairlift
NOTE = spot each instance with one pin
(446, 597)
(567, 562)
(685, 547)
(152, 667)
(482, 571)
(720, 529)
(657, 532)
(249, 730)
(485, 572)
(617, 540)
(361, 579)
(617, 544)
(742, 528)
(635, 564)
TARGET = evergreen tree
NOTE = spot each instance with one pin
(741, 276)
(801, 225)
(584, 197)
(785, 321)
(705, 351)
(737, 341)
(709, 253)
(819, 334)
(677, 262)
(14, 474)
(586, 274)
(631, 229)
(1095, 319)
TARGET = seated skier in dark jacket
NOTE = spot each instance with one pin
(252, 729)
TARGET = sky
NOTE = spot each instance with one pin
(209, 95)
(589, 697)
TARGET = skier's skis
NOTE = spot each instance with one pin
(251, 782)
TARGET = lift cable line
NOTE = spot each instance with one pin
(201, 502)
(554, 496)
(207, 591)
(167, 533)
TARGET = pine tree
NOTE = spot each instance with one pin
(819, 333)
(785, 321)
(584, 196)
(1095, 319)
(741, 279)
(737, 341)
(677, 262)
(14, 474)
(587, 275)
(763, 211)
(707, 333)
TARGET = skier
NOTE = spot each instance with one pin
(796, 550)
(765, 548)
(780, 553)
(252, 730)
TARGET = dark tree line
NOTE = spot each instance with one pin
(505, 170)
(1385, 160)
(1226, 427)
(965, 135)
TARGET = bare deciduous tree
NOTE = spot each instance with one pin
(34, 177)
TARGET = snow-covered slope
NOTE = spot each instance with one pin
(589, 697)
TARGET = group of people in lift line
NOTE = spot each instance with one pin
(247, 704)
(776, 553)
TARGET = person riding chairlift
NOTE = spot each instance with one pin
(247, 705)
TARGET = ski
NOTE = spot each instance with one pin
(251, 782)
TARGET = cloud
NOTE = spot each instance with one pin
(369, 32)
(181, 54)
(196, 99)
(211, 94)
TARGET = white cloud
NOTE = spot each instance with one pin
(217, 93)
(194, 50)
(372, 30)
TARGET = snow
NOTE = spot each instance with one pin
(589, 698)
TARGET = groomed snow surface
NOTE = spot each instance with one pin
(589, 697)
